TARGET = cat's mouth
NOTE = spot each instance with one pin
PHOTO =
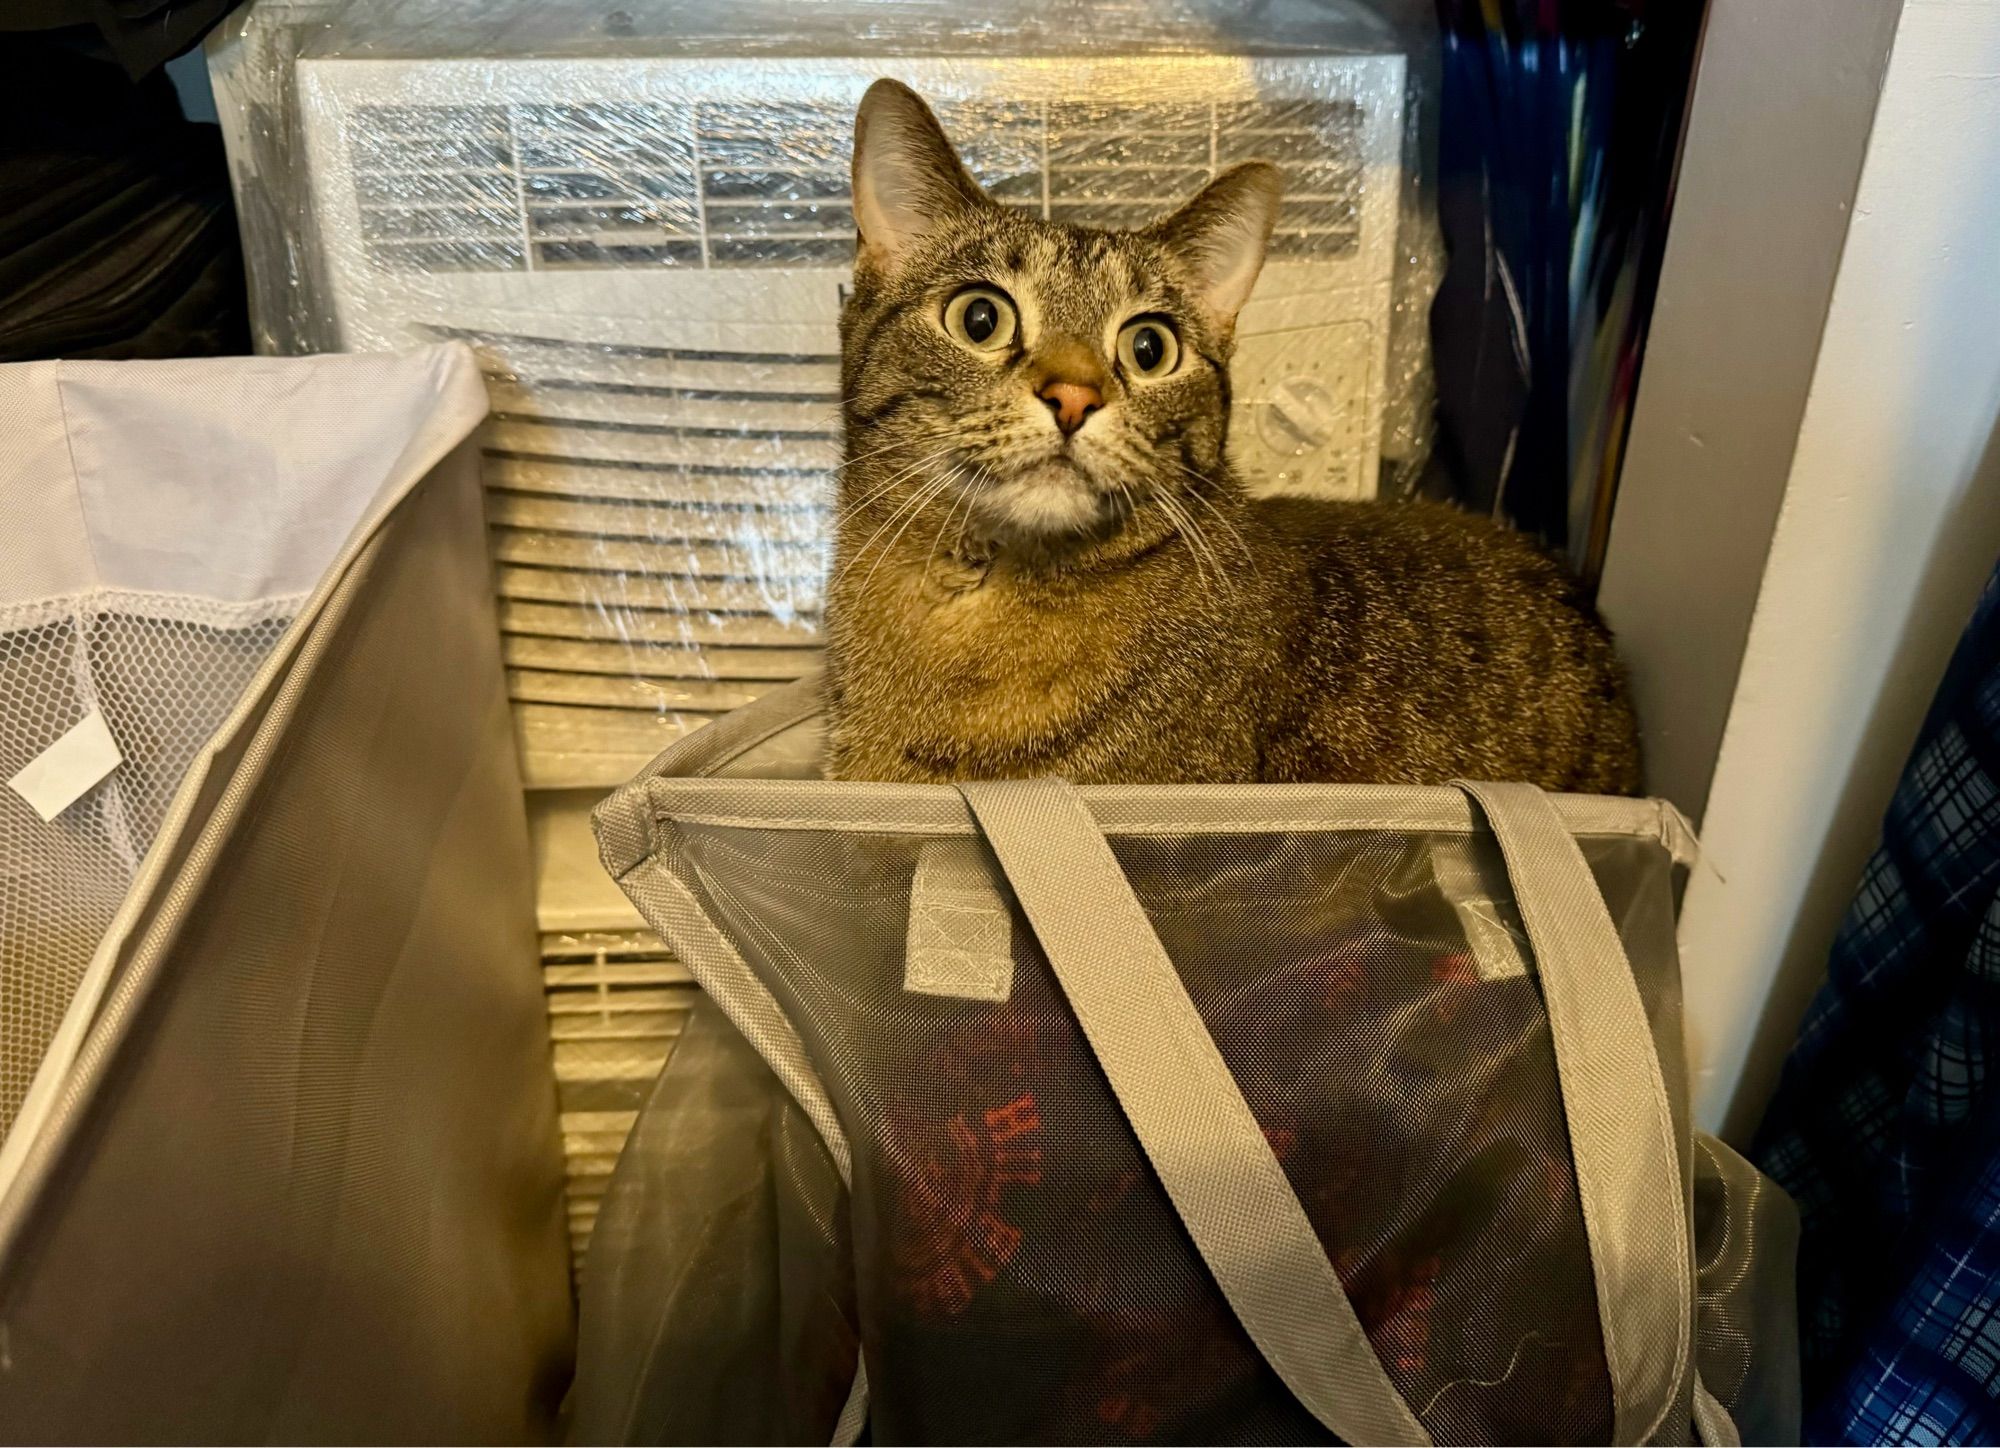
(1055, 497)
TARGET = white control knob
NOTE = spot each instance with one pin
(1300, 417)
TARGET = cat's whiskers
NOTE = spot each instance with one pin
(1131, 503)
(922, 492)
(914, 500)
(1221, 517)
(980, 476)
(848, 510)
(964, 500)
(1180, 520)
(908, 505)
(1201, 549)
(932, 435)
(942, 438)
(846, 514)
(1229, 584)
(923, 500)
(1198, 542)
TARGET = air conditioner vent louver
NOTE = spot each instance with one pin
(645, 585)
(617, 1002)
(608, 185)
(551, 187)
(438, 188)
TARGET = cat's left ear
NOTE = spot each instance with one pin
(907, 178)
(1221, 234)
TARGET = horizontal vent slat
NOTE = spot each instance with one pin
(586, 1061)
(636, 352)
(580, 1121)
(661, 409)
(659, 521)
(604, 622)
(726, 389)
(780, 565)
(618, 978)
(767, 667)
(627, 737)
(734, 450)
(626, 590)
(586, 477)
(535, 686)
(609, 1005)
(637, 1026)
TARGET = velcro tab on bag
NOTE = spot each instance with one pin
(1485, 911)
(961, 935)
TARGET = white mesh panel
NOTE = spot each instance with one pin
(166, 673)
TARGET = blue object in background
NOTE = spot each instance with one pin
(1886, 1126)
(1559, 132)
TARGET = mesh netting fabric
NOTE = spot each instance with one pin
(1746, 1321)
(1021, 1274)
(166, 674)
(309, 1188)
(1345, 971)
(723, 1171)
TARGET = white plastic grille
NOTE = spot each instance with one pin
(618, 1001)
(540, 187)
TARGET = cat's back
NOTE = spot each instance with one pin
(1426, 644)
(1393, 545)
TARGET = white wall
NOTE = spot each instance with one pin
(1784, 104)
(1889, 526)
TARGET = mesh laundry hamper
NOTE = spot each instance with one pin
(1227, 1114)
(281, 1160)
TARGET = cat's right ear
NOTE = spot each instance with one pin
(1222, 235)
(907, 178)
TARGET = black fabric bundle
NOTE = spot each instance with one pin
(117, 230)
(141, 35)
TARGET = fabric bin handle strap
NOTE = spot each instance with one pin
(1621, 1128)
(1186, 1110)
(1226, 1185)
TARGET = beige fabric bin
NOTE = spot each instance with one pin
(282, 1164)
(1224, 1114)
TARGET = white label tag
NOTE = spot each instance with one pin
(68, 769)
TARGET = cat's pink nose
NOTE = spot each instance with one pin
(1071, 402)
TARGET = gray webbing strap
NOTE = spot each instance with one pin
(1186, 1109)
(1621, 1128)
(854, 1412)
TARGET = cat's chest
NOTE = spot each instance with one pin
(974, 642)
(990, 625)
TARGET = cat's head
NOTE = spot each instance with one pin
(1046, 379)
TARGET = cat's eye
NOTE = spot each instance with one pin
(983, 318)
(1147, 347)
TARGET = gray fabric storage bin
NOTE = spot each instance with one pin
(1191, 1114)
(288, 1170)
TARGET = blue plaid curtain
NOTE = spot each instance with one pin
(1886, 1127)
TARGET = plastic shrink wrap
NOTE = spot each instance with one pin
(638, 216)
(641, 222)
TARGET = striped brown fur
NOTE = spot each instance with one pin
(1111, 605)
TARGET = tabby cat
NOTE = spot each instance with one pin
(1045, 565)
